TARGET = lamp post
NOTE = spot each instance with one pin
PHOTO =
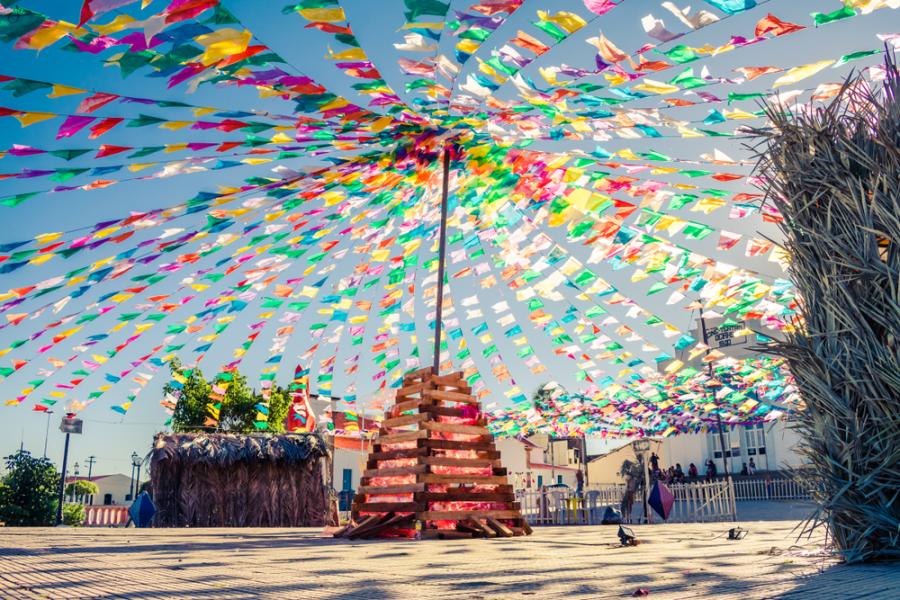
(641, 447)
(136, 462)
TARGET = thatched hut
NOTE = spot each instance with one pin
(228, 480)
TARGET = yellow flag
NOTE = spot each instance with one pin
(565, 20)
(799, 73)
(222, 44)
(64, 90)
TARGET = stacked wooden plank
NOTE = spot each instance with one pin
(434, 470)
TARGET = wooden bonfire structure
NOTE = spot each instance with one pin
(434, 469)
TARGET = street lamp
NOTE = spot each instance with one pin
(136, 462)
(641, 447)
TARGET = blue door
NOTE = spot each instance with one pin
(540, 481)
(348, 480)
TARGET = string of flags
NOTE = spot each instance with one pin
(583, 235)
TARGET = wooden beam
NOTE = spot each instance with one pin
(403, 421)
(395, 454)
(404, 488)
(455, 428)
(397, 438)
(475, 479)
(456, 515)
(450, 396)
(395, 471)
(459, 495)
(501, 529)
(383, 507)
(485, 443)
(452, 461)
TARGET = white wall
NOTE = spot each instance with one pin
(348, 459)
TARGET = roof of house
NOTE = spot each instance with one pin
(226, 449)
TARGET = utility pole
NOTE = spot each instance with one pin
(69, 425)
(442, 251)
(90, 463)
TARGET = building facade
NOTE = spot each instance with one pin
(113, 489)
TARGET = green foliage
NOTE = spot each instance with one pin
(73, 514)
(81, 488)
(238, 411)
(28, 491)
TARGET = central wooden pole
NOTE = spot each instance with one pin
(442, 251)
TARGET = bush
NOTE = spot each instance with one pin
(81, 488)
(28, 491)
(73, 514)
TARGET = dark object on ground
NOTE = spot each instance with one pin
(611, 516)
(627, 537)
(142, 510)
(736, 533)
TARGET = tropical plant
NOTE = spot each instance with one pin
(833, 173)
(28, 491)
(73, 514)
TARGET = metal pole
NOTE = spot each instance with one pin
(62, 482)
(131, 483)
(47, 432)
(442, 251)
(719, 425)
(644, 487)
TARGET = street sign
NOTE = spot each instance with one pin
(722, 336)
(70, 425)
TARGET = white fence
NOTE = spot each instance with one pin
(769, 489)
(694, 502)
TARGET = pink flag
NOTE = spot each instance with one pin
(93, 8)
(72, 125)
(600, 7)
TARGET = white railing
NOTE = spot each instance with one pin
(105, 516)
(694, 502)
(769, 489)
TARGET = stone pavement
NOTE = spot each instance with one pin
(674, 561)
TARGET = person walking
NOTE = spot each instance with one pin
(751, 468)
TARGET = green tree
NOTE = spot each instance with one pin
(82, 488)
(238, 413)
(28, 491)
(73, 514)
(190, 410)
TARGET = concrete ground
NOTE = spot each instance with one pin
(674, 561)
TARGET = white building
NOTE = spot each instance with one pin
(113, 489)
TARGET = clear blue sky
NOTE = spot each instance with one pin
(111, 437)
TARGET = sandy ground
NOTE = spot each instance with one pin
(674, 561)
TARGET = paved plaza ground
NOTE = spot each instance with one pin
(674, 561)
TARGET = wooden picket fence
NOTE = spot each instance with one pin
(778, 488)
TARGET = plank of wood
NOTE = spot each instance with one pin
(404, 420)
(404, 488)
(419, 372)
(462, 495)
(406, 405)
(452, 461)
(409, 390)
(501, 529)
(395, 454)
(395, 471)
(475, 479)
(368, 520)
(469, 526)
(370, 525)
(484, 443)
(455, 428)
(406, 436)
(451, 396)
(445, 411)
(456, 515)
(525, 526)
(382, 507)
(487, 531)
(397, 521)
(449, 380)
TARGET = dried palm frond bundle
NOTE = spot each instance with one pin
(230, 480)
(834, 175)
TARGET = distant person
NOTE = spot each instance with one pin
(654, 462)
(579, 481)
(679, 473)
(692, 471)
(711, 470)
(744, 471)
(751, 468)
(670, 475)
